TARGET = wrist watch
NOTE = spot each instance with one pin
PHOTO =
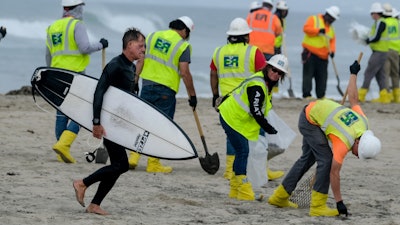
(96, 121)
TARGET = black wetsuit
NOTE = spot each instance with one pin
(119, 72)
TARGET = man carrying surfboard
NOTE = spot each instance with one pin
(119, 72)
(68, 47)
(167, 60)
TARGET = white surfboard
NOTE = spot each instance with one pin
(127, 119)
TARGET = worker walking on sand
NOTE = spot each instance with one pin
(319, 43)
(379, 45)
(230, 65)
(324, 123)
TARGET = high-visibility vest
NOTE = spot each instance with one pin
(382, 45)
(265, 26)
(234, 62)
(393, 28)
(318, 44)
(339, 120)
(235, 110)
(161, 63)
(278, 39)
(63, 47)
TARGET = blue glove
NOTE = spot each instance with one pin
(341, 208)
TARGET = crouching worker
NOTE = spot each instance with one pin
(321, 122)
(242, 115)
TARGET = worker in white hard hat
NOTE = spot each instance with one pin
(255, 6)
(325, 123)
(377, 41)
(393, 60)
(319, 43)
(242, 115)
(68, 47)
(266, 26)
(167, 61)
(230, 65)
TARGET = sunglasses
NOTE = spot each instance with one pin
(275, 70)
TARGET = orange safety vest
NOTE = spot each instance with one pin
(315, 42)
(266, 26)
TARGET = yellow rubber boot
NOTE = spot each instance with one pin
(273, 175)
(234, 184)
(228, 174)
(384, 97)
(362, 92)
(154, 166)
(133, 159)
(280, 198)
(245, 190)
(59, 158)
(318, 205)
(396, 95)
(62, 147)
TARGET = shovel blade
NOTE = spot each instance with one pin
(210, 163)
(291, 94)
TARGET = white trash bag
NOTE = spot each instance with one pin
(278, 143)
(359, 32)
(257, 163)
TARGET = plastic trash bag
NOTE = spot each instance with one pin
(359, 32)
(257, 163)
(278, 143)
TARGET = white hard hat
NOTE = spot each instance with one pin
(187, 21)
(369, 145)
(395, 13)
(280, 62)
(67, 3)
(255, 5)
(387, 9)
(376, 8)
(282, 5)
(268, 2)
(238, 27)
(334, 11)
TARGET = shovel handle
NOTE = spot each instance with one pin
(103, 58)
(345, 93)
(203, 140)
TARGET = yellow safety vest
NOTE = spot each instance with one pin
(393, 26)
(235, 63)
(339, 120)
(161, 63)
(382, 45)
(278, 39)
(235, 110)
(63, 48)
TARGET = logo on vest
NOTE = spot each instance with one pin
(162, 45)
(56, 39)
(348, 118)
(231, 61)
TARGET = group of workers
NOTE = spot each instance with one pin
(244, 72)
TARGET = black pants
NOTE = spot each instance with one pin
(317, 68)
(109, 174)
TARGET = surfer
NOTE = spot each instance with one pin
(68, 47)
(119, 72)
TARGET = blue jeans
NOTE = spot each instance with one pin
(161, 97)
(64, 123)
(229, 148)
(241, 147)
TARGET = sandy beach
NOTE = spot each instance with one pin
(37, 189)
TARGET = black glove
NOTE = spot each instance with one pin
(277, 50)
(355, 67)
(367, 41)
(322, 31)
(270, 129)
(332, 55)
(341, 208)
(193, 102)
(104, 42)
(3, 31)
(214, 98)
(136, 88)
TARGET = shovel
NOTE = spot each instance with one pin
(290, 90)
(209, 163)
(334, 67)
